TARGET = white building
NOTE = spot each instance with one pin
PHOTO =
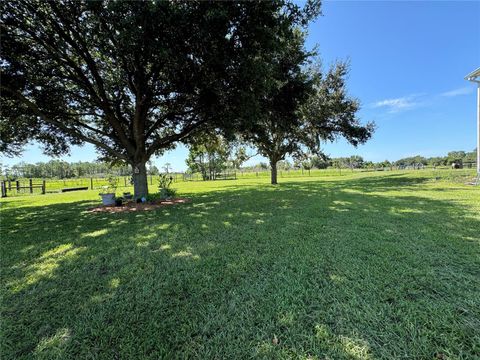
(474, 76)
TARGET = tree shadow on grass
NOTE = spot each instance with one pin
(327, 271)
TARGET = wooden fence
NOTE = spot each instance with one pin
(18, 187)
(31, 186)
(214, 176)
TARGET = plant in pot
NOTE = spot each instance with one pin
(108, 191)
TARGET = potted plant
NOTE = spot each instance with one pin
(108, 191)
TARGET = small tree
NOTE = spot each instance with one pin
(153, 170)
(239, 155)
(208, 155)
(470, 157)
(320, 162)
(355, 162)
(167, 167)
(456, 157)
(284, 165)
(262, 165)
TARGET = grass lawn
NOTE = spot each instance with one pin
(359, 266)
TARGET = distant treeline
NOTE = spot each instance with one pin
(459, 157)
(357, 162)
(58, 169)
(64, 170)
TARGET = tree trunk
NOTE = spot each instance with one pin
(273, 166)
(140, 183)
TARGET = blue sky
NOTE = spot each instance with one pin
(408, 62)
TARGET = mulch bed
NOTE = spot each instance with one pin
(133, 206)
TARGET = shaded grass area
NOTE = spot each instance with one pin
(367, 266)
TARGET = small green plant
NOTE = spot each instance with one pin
(164, 189)
(167, 193)
(164, 181)
(112, 185)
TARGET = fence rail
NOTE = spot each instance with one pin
(31, 186)
(6, 186)
(42, 186)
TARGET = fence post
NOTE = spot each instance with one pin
(91, 183)
(17, 183)
(10, 185)
(31, 186)
(43, 186)
(257, 173)
(125, 180)
(4, 189)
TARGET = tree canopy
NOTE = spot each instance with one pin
(305, 108)
(134, 78)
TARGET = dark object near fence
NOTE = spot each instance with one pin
(118, 201)
(5, 188)
(75, 188)
(213, 176)
(457, 165)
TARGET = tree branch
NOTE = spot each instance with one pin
(74, 132)
(165, 117)
(167, 140)
(78, 44)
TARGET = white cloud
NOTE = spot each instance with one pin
(397, 104)
(460, 91)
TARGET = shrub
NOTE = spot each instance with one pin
(167, 193)
(112, 185)
(153, 197)
(164, 183)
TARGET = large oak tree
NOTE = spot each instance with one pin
(134, 78)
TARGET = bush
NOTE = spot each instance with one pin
(112, 185)
(167, 193)
(164, 190)
(153, 197)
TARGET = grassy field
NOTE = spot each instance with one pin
(381, 265)
(56, 185)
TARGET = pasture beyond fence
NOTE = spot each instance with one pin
(41, 186)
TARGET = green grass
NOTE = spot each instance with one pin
(381, 265)
(55, 185)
